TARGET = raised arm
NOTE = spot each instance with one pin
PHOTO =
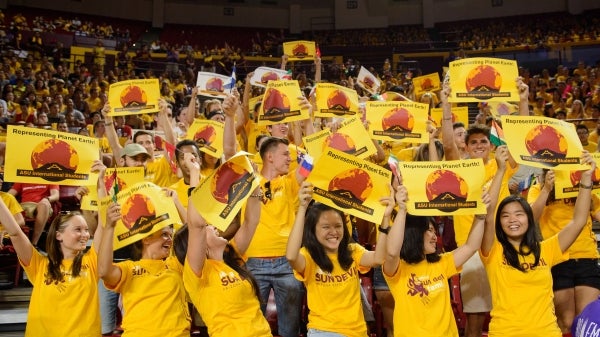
(110, 273)
(317, 69)
(432, 131)
(189, 117)
(99, 167)
(464, 252)
(489, 233)
(165, 122)
(230, 106)
(523, 97)
(395, 237)
(450, 149)
(540, 202)
(111, 133)
(197, 246)
(375, 258)
(567, 235)
(292, 252)
(246, 231)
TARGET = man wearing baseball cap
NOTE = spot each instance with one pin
(134, 155)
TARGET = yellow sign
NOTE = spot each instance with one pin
(498, 109)
(300, 50)
(350, 138)
(427, 83)
(133, 97)
(262, 76)
(144, 210)
(208, 135)
(212, 85)
(350, 184)
(280, 103)
(335, 100)
(398, 121)
(566, 184)
(220, 196)
(482, 79)
(543, 142)
(444, 187)
(124, 177)
(459, 114)
(41, 156)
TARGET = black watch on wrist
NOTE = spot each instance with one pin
(384, 230)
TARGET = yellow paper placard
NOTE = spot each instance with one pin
(444, 187)
(566, 184)
(133, 97)
(208, 135)
(212, 85)
(220, 196)
(350, 184)
(398, 121)
(41, 156)
(543, 142)
(423, 84)
(280, 103)
(144, 210)
(498, 109)
(368, 81)
(459, 114)
(315, 143)
(125, 177)
(262, 76)
(300, 50)
(482, 79)
(335, 100)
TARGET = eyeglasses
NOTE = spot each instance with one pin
(268, 193)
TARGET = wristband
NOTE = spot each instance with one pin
(586, 187)
(384, 230)
(259, 195)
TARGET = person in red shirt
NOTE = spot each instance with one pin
(36, 200)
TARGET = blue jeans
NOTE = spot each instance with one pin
(276, 274)
(321, 333)
(109, 304)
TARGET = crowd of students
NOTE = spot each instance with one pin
(283, 242)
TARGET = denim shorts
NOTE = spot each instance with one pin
(379, 282)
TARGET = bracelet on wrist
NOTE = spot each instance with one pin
(586, 187)
(385, 230)
(259, 195)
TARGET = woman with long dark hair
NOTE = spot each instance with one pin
(518, 262)
(328, 264)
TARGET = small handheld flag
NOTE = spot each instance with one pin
(115, 186)
(232, 80)
(287, 76)
(170, 153)
(393, 163)
(497, 134)
(306, 166)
